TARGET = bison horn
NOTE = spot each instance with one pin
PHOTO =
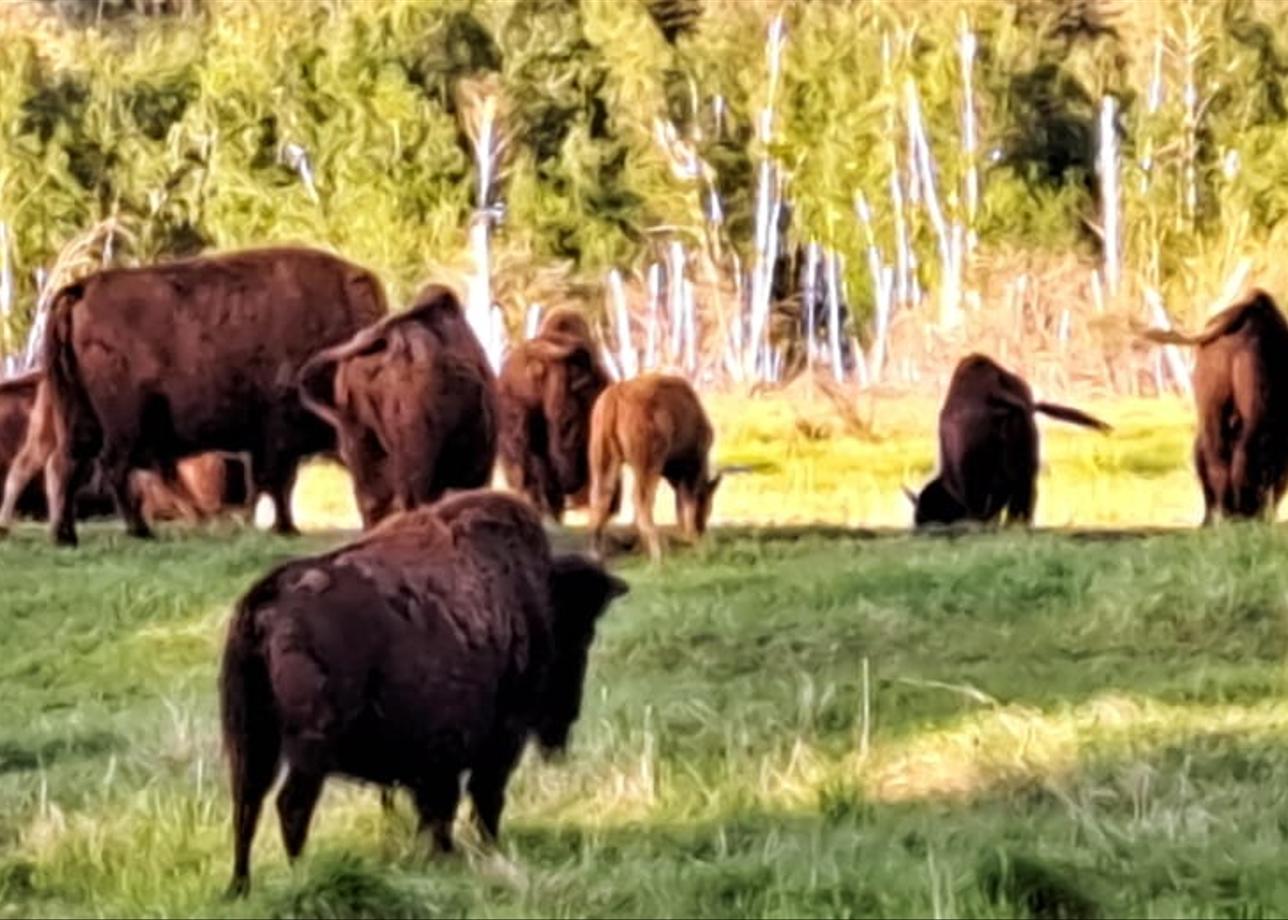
(912, 496)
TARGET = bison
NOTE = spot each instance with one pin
(545, 391)
(149, 365)
(413, 402)
(988, 447)
(437, 644)
(206, 485)
(655, 424)
(1241, 394)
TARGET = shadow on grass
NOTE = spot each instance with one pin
(17, 757)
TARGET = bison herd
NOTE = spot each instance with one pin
(448, 635)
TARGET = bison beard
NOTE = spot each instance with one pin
(546, 391)
(149, 365)
(1241, 394)
(988, 447)
(656, 424)
(437, 644)
(413, 403)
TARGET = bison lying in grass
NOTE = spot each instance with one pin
(413, 402)
(1241, 393)
(437, 644)
(655, 424)
(546, 391)
(988, 447)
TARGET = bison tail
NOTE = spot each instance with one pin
(68, 396)
(248, 715)
(1069, 414)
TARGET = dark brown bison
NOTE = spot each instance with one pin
(988, 447)
(436, 645)
(656, 425)
(413, 401)
(149, 365)
(1241, 393)
(546, 391)
(207, 484)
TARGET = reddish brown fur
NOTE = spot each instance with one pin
(655, 424)
(203, 488)
(545, 393)
(437, 644)
(149, 365)
(1241, 394)
(413, 402)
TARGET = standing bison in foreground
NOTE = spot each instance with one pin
(149, 365)
(413, 402)
(546, 391)
(1241, 393)
(656, 425)
(436, 645)
(988, 447)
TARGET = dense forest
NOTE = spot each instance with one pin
(951, 160)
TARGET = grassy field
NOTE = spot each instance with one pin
(790, 721)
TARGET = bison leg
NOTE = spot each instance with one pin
(603, 491)
(279, 484)
(64, 476)
(645, 493)
(295, 804)
(25, 466)
(436, 801)
(129, 503)
(1210, 492)
(1024, 497)
(487, 792)
(253, 772)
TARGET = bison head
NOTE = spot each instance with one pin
(936, 505)
(706, 493)
(580, 592)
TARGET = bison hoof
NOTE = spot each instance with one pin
(237, 889)
(66, 539)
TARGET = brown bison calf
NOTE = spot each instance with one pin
(1241, 393)
(546, 391)
(656, 425)
(988, 447)
(436, 645)
(413, 401)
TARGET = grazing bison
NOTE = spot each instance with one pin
(656, 425)
(988, 447)
(435, 645)
(1241, 393)
(413, 401)
(206, 485)
(149, 365)
(546, 391)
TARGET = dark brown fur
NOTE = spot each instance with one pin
(988, 447)
(656, 425)
(413, 402)
(1241, 394)
(437, 644)
(149, 365)
(207, 484)
(545, 392)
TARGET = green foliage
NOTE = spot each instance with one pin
(174, 115)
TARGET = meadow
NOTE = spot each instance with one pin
(815, 714)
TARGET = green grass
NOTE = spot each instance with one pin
(1058, 724)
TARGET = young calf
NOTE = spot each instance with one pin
(656, 425)
(988, 447)
(436, 645)
(1241, 393)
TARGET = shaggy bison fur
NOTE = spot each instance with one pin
(436, 645)
(546, 391)
(988, 447)
(656, 425)
(149, 365)
(1241, 394)
(207, 484)
(413, 402)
